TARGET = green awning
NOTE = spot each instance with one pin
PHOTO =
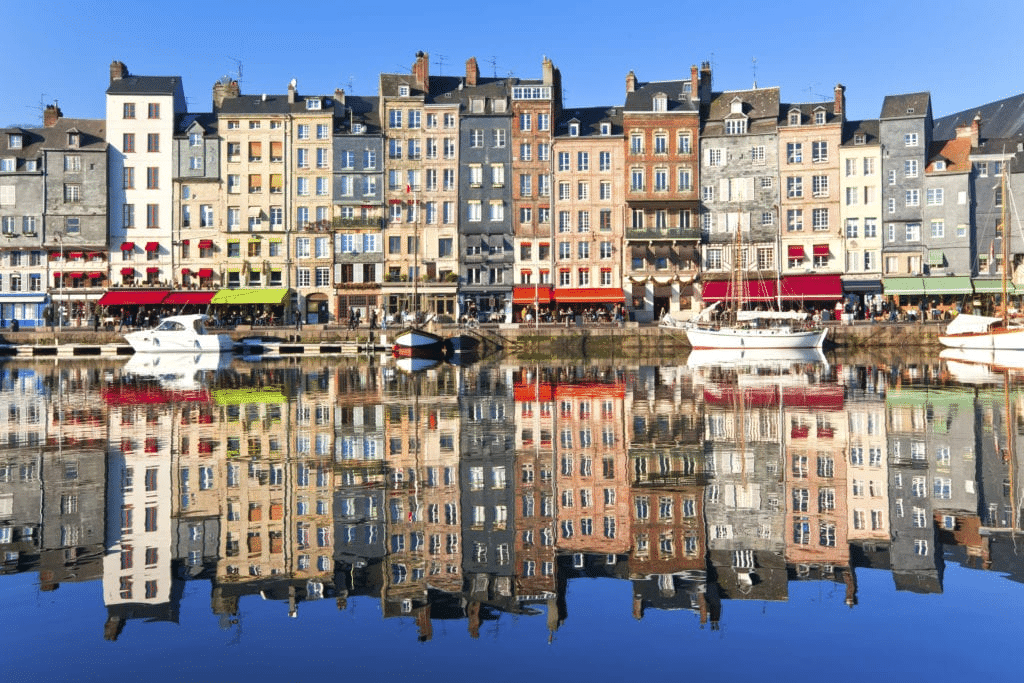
(959, 284)
(249, 296)
(903, 285)
(234, 397)
(936, 257)
(993, 287)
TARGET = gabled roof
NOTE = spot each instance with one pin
(444, 89)
(868, 128)
(389, 84)
(759, 103)
(642, 98)
(145, 85)
(364, 110)
(91, 132)
(1000, 119)
(205, 122)
(956, 153)
(911, 105)
(590, 120)
(807, 111)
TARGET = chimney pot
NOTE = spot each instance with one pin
(630, 82)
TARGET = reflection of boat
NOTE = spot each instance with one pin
(755, 358)
(177, 333)
(982, 366)
(176, 370)
(414, 342)
(414, 364)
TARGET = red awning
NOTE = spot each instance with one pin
(205, 272)
(74, 275)
(56, 275)
(821, 250)
(152, 246)
(185, 271)
(180, 298)
(127, 271)
(127, 246)
(133, 297)
(795, 251)
(755, 290)
(206, 244)
(74, 254)
(184, 241)
(819, 287)
(152, 269)
(95, 274)
(588, 295)
(96, 255)
(527, 294)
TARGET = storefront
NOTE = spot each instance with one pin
(532, 299)
(133, 307)
(250, 306)
(25, 309)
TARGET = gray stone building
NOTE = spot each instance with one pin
(739, 190)
(485, 195)
(53, 214)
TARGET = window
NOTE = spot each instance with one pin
(525, 122)
(820, 219)
(935, 196)
(72, 192)
(714, 157)
(912, 197)
(910, 140)
(152, 178)
(794, 153)
(794, 187)
(913, 232)
(819, 151)
(154, 110)
(794, 220)
(735, 126)
(636, 183)
(819, 185)
(938, 229)
(910, 168)
(128, 110)
(153, 142)
(636, 143)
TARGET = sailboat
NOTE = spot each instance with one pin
(751, 329)
(970, 331)
(414, 341)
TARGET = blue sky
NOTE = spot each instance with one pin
(964, 53)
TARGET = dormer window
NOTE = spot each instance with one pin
(794, 118)
(476, 105)
(195, 139)
(403, 91)
(736, 106)
(313, 104)
(735, 126)
(606, 129)
(940, 165)
(14, 140)
(661, 102)
(357, 128)
(859, 139)
(819, 117)
(73, 138)
(499, 106)
(687, 88)
(574, 129)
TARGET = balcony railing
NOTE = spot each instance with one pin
(663, 233)
(356, 222)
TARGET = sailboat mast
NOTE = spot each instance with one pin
(1006, 244)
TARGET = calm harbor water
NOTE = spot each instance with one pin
(188, 519)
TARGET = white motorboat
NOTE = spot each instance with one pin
(180, 333)
(969, 331)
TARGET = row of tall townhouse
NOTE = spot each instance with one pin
(479, 194)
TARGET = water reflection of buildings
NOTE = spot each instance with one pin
(467, 493)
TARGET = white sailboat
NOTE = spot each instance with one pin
(752, 329)
(970, 331)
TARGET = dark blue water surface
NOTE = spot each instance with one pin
(341, 518)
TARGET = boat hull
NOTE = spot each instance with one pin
(150, 341)
(1002, 339)
(754, 338)
(413, 343)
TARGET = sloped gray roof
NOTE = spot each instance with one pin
(206, 120)
(908, 105)
(760, 103)
(364, 110)
(1000, 119)
(590, 120)
(92, 137)
(642, 98)
(389, 84)
(255, 105)
(868, 128)
(807, 110)
(144, 85)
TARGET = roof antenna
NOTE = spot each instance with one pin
(754, 67)
(440, 64)
(41, 107)
(238, 68)
(494, 66)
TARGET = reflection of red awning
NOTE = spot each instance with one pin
(527, 294)
(821, 250)
(819, 287)
(126, 396)
(731, 395)
(532, 392)
(197, 298)
(824, 397)
(588, 295)
(152, 246)
(754, 290)
(132, 297)
(795, 251)
(205, 272)
(127, 246)
(206, 244)
(127, 271)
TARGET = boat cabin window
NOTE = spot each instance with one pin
(171, 325)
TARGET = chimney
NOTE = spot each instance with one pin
(421, 71)
(630, 82)
(704, 90)
(694, 81)
(548, 71)
(339, 96)
(472, 71)
(117, 71)
(51, 115)
(839, 108)
(970, 130)
(223, 90)
(291, 91)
